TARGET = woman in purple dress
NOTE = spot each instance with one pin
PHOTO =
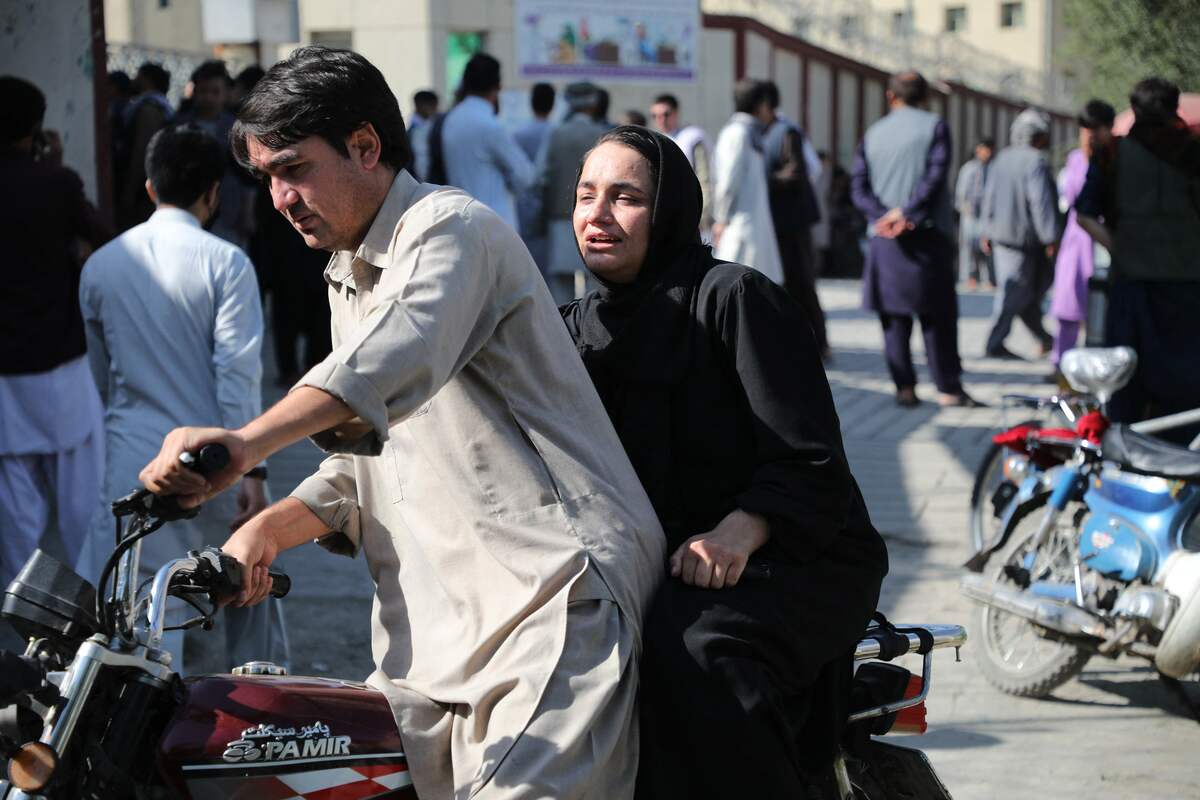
(1074, 266)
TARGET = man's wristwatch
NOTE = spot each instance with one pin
(259, 472)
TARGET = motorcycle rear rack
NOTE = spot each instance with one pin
(869, 649)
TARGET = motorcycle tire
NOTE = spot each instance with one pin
(1050, 662)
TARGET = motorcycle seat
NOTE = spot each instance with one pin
(1148, 455)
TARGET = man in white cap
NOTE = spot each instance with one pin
(1020, 225)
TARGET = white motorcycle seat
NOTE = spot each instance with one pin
(1099, 371)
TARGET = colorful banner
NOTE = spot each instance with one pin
(614, 41)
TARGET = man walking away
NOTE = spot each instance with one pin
(1076, 254)
(51, 426)
(665, 117)
(479, 154)
(742, 230)
(557, 170)
(1020, 230)
(792, 169)
(1144, 207)
(531, 137)
(974, 265)
(174, 330)
(899, 182)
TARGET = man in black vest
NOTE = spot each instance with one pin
(1143, 205)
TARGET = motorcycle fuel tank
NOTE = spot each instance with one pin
(271, 737)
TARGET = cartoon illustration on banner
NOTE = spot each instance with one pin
(570, 38)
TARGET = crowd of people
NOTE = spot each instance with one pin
(768, 195)
(655, 492)
(1024, 233)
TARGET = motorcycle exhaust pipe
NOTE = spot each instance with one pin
(1053, 614)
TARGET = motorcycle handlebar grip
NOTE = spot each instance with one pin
(208, 460)
(281, 584)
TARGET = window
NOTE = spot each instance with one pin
(956, 18)
(902, 23)
(1012, 15)
(850, 27)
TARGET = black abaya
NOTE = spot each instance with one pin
(714, 383)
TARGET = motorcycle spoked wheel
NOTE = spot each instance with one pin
(1017, 656)
(985, 525)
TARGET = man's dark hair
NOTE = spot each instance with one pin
(182, 163)
(772, 91)
(667, 99)
(909, 88)
(425, 97)
(120, 82)
(603, 98)
(987, 142)
(1096, 114)
(22, 108)
(1154, 100)
(749, 94)
(481, 75)
(211, 69)
(635, 117)
(541, 98)
(249, 77)
(320, 91)
(158, 78)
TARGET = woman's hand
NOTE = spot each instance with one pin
(716, 559)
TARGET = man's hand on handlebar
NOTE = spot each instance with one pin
(255, 549)
(165, 475)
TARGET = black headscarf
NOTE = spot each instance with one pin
(635, 339)
(619, 321)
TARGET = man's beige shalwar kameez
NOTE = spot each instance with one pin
(513, 549)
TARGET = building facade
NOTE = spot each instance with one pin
(1006, 47)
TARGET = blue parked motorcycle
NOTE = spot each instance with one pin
(1107, 561)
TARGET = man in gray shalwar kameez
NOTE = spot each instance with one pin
(1019, 223)
(512, 547)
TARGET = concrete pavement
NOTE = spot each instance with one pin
(1113, 733)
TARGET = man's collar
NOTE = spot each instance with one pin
(376, 248)
(174, 214)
